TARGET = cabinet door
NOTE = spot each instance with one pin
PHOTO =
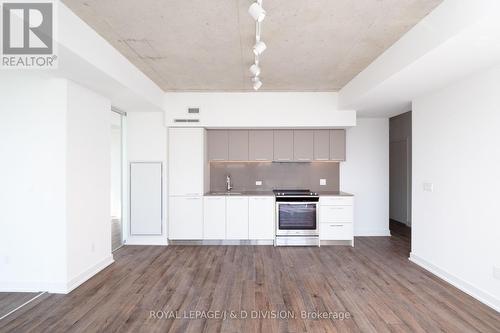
(214, 218)
(185, 218)
(321, 145)
(238, 145)
(237, 218)
(337, 145)
(261, 218)
(283, 145)
(303, 145)
(218, 145)
(260, 145)
(186, 157)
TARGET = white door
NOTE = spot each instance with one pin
(186, 156)
(145, 198)
(185, 218)
(237, 218)
(214, 218)
(261, 217)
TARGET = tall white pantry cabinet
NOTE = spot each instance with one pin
(186, 158)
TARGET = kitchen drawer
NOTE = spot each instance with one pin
(336, 213)
(336, 231)
(332, 201)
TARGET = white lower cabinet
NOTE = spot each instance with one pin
(336, 231)
(214, 217)
(336, 217)
(185, 218)
(261, 218)
(237, 217)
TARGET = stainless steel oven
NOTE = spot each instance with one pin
(296, 218)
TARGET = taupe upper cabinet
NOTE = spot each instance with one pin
(283, 145)
(337, 145)
(303, 145)
(238, 145)
(260, 145)
(321, 145)
(218, 143)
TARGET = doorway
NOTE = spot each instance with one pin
(117, 118)
(400, 152)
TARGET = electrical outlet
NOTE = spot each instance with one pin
(92, 247)
(322, 182)
(258, 182)
(496, 272)
(429, 187)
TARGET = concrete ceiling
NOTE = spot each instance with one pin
(200, 45)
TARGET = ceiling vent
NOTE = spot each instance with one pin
(194, 110)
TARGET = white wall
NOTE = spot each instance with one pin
(366, 174)
(116, 165)
(147, 141)
(456, 146)
(263, 109)
(54, 157)
(32, 182)
(88, 184)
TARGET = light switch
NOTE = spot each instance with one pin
(322, 182)
(258, 183)
(429, 187)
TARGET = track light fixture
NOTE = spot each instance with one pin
(257, 12)
(255, 70)
(259, 47)
(256, 83)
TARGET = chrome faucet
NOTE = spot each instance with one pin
(228, 183)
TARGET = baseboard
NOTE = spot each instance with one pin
(149, 240)
(457, 282)
(82, 277)
(372, 233)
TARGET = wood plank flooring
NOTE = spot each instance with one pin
(374, 282)
(10, 301)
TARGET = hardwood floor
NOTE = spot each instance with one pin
(10, 301)
(374, 282)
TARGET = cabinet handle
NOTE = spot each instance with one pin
(336, 225)
(193, 198)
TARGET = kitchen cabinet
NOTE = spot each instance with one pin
(237, 217)
(261, 218)
(218, 145)
(260, 145)
(187, 161)
(337, 145)
(185, 218)
(336, 231)
(214, 217)
(303, 145)
(283, 145)
(336, 219)
(238, 145)
(321, 145)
